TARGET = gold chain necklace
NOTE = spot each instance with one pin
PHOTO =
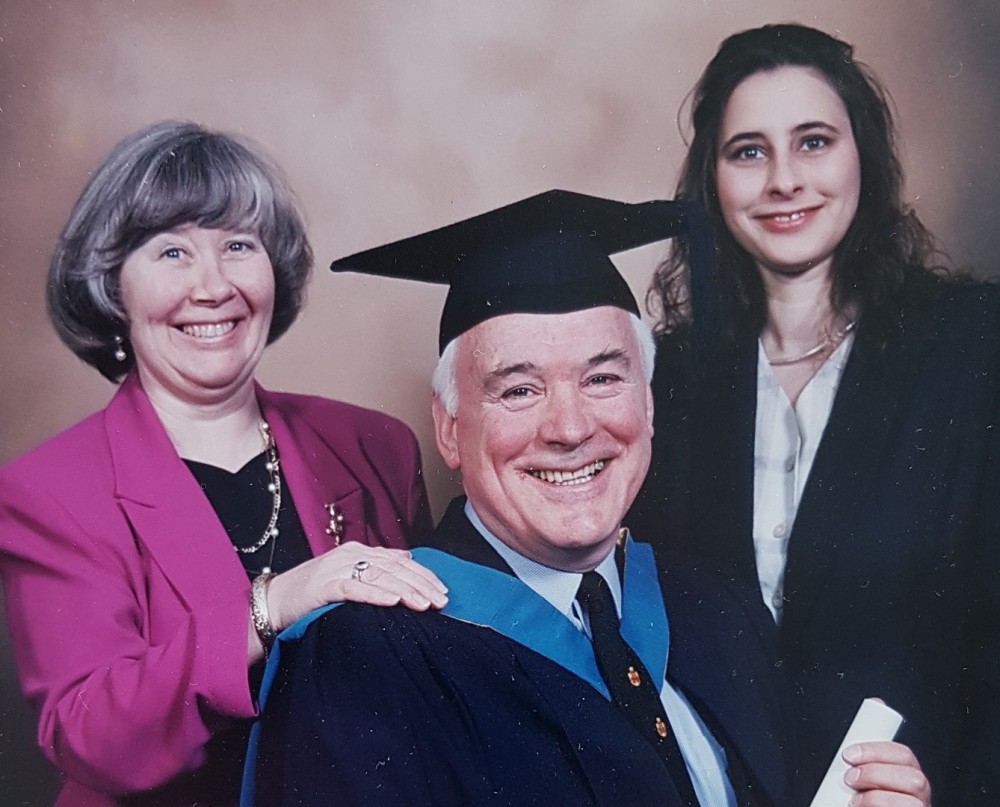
(829, 340)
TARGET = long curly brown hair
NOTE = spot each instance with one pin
(886, 249)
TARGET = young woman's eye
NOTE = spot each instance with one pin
(814, 142)
(173, 253)
(745, 153)
(241, 246)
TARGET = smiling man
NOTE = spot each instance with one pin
(554, 675)
(551, 426)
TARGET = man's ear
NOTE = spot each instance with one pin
(445, 428)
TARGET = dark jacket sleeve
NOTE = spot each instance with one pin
(360, 714)
(976, 781)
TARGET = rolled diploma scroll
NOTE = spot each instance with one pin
(874, 721)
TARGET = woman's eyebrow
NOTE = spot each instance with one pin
(753, 135)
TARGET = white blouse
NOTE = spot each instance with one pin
(785, 443)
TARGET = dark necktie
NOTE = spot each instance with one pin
(632, 688)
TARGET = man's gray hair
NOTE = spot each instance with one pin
(445, 384)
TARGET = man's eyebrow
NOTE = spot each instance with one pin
(501, 373)
(608, 357)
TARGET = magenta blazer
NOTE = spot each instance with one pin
(127, 605)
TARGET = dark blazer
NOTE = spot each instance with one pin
(128, 608)
(893, 573)
(387, 706)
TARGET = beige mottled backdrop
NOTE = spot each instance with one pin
(395, 117)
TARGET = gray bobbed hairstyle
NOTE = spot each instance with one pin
(158, 178)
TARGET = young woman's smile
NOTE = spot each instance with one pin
(788, 171)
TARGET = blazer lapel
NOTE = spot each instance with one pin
(170, 515)
(747, 718)
(723, 457)
(174, 520)
(316, 478)
(862, 417)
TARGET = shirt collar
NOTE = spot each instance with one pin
(557, 587)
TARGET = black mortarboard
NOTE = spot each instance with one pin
(547, 254)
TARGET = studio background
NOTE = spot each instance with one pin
(391, 118)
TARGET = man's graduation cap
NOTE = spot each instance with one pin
(548, 254)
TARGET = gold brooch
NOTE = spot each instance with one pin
(336, 525)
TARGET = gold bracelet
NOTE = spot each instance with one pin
(259, 614)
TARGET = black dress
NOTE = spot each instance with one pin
(243, 504)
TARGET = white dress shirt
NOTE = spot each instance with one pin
(703, 756)
(785, 443)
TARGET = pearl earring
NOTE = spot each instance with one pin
(120, 354)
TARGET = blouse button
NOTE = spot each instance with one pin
(780, 530)
(777, 602)
(790, 465)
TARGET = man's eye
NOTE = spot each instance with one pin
(516, 392)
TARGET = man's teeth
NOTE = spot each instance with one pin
(585, 474)
(207, 331)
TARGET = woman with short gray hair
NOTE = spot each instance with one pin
(150, 553)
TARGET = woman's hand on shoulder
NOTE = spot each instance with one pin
(353, 572)
(885, 774)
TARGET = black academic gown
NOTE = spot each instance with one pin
(893, 575)
(388, 706)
